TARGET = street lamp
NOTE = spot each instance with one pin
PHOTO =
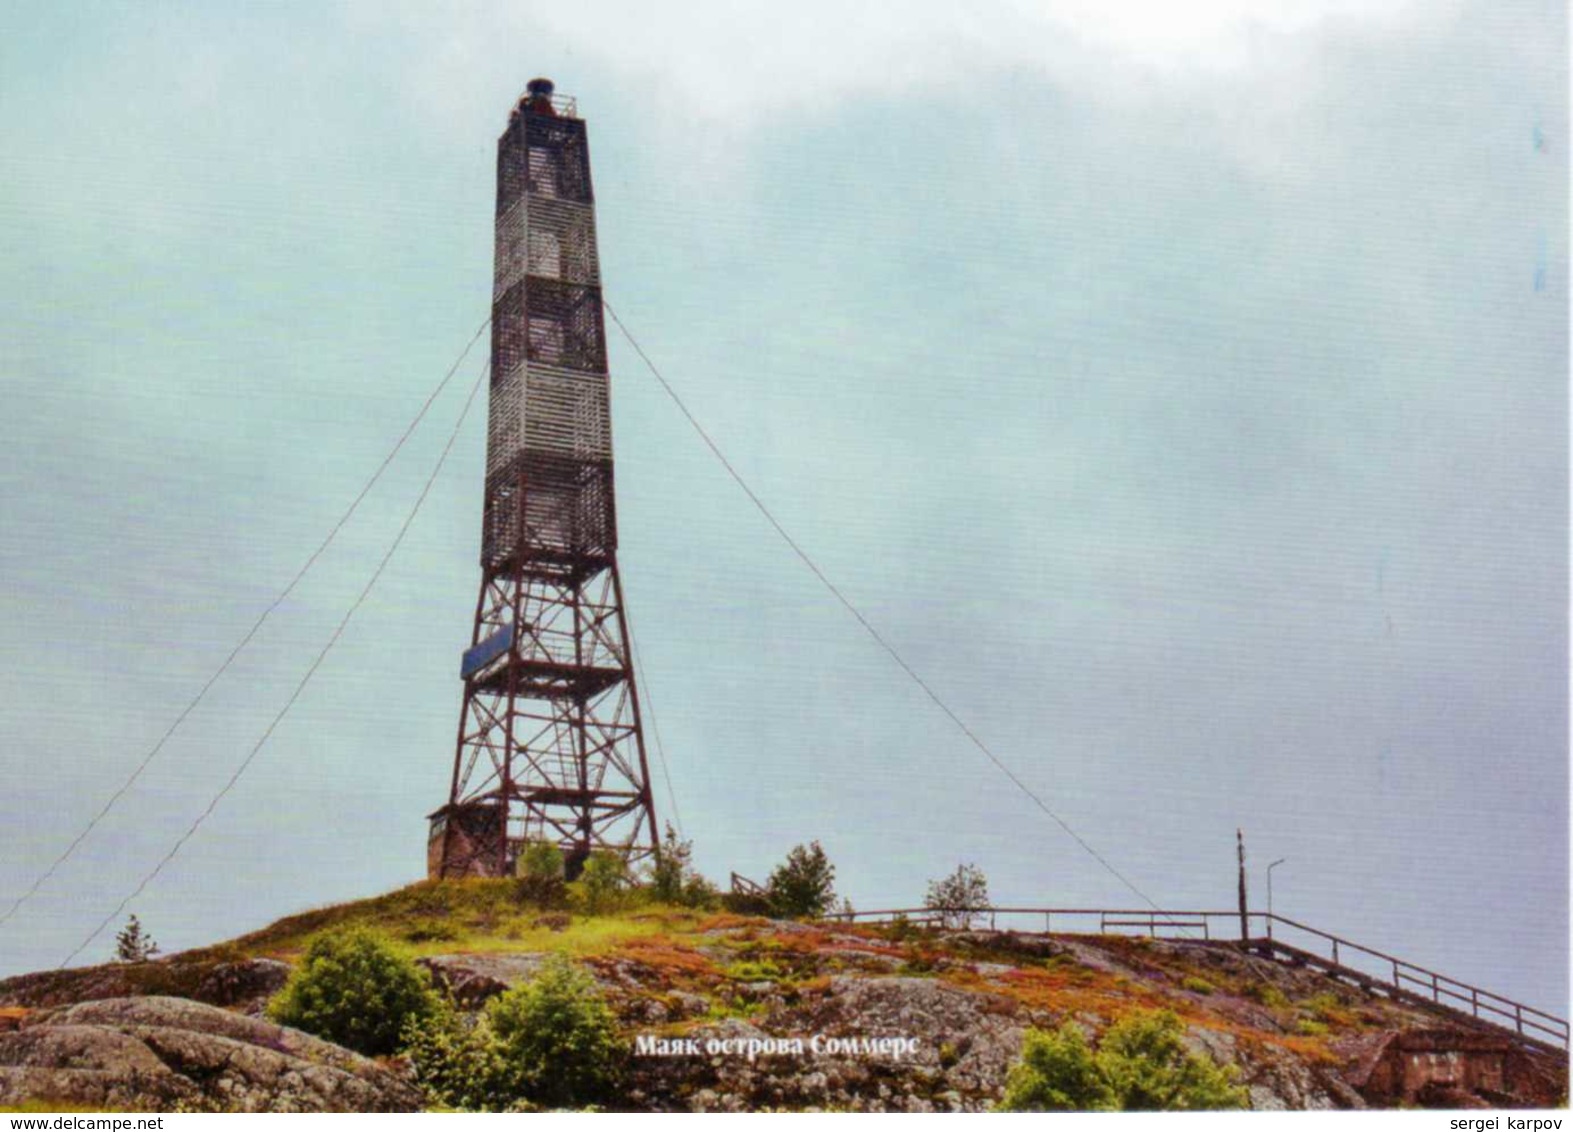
(1270, 869)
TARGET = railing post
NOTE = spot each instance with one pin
(1436, 991)
(1474, 1001)
(1335, 953)
(1518, 1016)
(1396, 983)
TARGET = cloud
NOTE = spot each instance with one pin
(736, 67)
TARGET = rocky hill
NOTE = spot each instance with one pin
(726, 1012)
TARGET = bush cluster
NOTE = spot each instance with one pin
(551, 1042)
(1141, 1064)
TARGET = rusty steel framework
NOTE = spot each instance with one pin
(550, 746)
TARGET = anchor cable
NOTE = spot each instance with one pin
(223, 667)
(300, 687)
(867, 625)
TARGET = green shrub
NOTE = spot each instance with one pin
(545, 893)
(456, 1061)
(539, 873)
(603, 885)
(1150, 1069)
(1057, 1073)
(430, 931)
(1197, 985)
(918, 960)
(1140, 1065)
(354, 989)
(540, 859)
(673, 878)
(557, 1039)
(804, 885)
(959, 898)
(550, 1042)
(745, 903)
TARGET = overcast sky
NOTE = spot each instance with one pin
(1185, 396)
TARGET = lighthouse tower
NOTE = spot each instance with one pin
(550, 746)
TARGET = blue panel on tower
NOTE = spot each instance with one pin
(484, 653)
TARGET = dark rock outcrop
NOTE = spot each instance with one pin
(163, 1054)
(473, 979)
(245, 984)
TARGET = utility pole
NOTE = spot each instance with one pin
(1245, 930)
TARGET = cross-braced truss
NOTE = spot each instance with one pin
(550, 733)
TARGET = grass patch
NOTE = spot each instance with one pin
(1327, 1010)
(472, 915)
(41, 1104)
(755, 971)
(725, 1007)
(1268, 995)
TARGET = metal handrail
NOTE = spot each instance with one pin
(1480, 1001)
(1393, 972)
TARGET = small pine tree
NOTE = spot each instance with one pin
(959, 898)
(804, 885)
(673, 878)
(540, 859)
(456, 1061)
(1150, 1070)
(539, 870)
(556, 1038)
(1057, 1073)
(601, 886)
(354, 989)
(133, 945)
(671, 863)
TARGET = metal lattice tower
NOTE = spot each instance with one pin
(550, 745)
